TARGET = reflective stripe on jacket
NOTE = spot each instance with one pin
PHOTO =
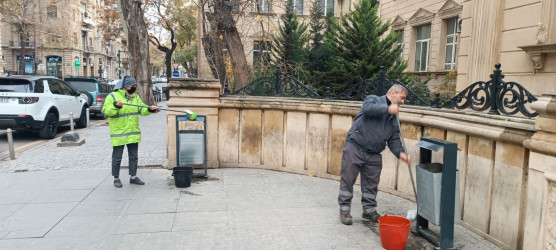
(124, 122)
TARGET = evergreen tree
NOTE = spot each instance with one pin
(323, 56)
(290, 45)
(317, 56)
(359, 50)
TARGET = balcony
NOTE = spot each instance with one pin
(17, 44)
(88, 48)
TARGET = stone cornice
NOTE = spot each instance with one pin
(301, 105)
(421, 16)
(450, 9)
(194, 83)
(398, 23)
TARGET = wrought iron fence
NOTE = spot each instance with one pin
(277, 85)
(280, 85)
(378, 86)
(496, 94)
(508, 98)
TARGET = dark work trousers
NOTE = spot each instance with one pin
(117, 152)
(355, 161)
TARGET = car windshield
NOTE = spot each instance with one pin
(83, 86)
(15, 85)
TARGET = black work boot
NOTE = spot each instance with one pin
(373, 216)
(346, 219)
(117, 183)
(136, 181)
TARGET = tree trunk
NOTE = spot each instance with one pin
(213, 49)
(168, 62)
(21, 62)
(135, 28)
(237, 56)
(227, 26)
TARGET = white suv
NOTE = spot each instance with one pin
(39, 104)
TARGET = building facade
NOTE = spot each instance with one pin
(65, 39)
(467, 37)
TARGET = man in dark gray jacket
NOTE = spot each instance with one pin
(374, 127)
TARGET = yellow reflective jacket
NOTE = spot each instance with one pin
(124, 122)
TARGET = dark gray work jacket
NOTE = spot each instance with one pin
(374, 127)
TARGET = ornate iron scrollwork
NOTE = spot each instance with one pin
(378, 86)
(506, 97)
(278, 85)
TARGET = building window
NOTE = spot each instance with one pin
(422, 47)
(51, 11)
(263, 6)
(298, 6)
(326, 6)
(399, 42)
(451, 44)
(261, 51)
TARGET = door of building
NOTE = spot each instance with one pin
(54, 66)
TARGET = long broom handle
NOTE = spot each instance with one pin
(174, 110)
(405, 151)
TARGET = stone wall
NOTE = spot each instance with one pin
(507, 165)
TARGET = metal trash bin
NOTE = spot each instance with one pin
(429, 182)
(438, 185)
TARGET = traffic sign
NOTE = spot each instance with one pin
(176, 65)
(175, 73)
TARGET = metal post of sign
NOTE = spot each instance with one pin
(71, 121)
(10, 143)
(88, 119)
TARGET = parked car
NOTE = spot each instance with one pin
(113, 83)
(157, 94)
(39, 104)
(95, 89)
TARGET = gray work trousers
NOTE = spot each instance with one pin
(132, 151)
(355, 161)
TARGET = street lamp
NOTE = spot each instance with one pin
(119, 68)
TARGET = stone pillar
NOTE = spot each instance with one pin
(539, 230)
(480, 41)
(201, 96)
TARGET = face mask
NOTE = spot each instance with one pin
(132, 90)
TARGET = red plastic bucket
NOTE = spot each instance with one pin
(393, 231)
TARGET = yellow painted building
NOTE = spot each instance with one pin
(63, 33)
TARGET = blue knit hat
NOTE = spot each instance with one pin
(127, 81)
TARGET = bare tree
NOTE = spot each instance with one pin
(133, 22)
(19, 15)
(223, 25)
(110, 24)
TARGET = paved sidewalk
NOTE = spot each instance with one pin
(63, 198)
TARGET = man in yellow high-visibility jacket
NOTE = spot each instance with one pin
(124, 126)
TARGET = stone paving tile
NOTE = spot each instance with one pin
(58, 243)
(144, 223)
(84, 226)
(139, 241)
(200, 220)
(202, 239)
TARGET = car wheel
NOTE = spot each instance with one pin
(50, 127)
(82, 122)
